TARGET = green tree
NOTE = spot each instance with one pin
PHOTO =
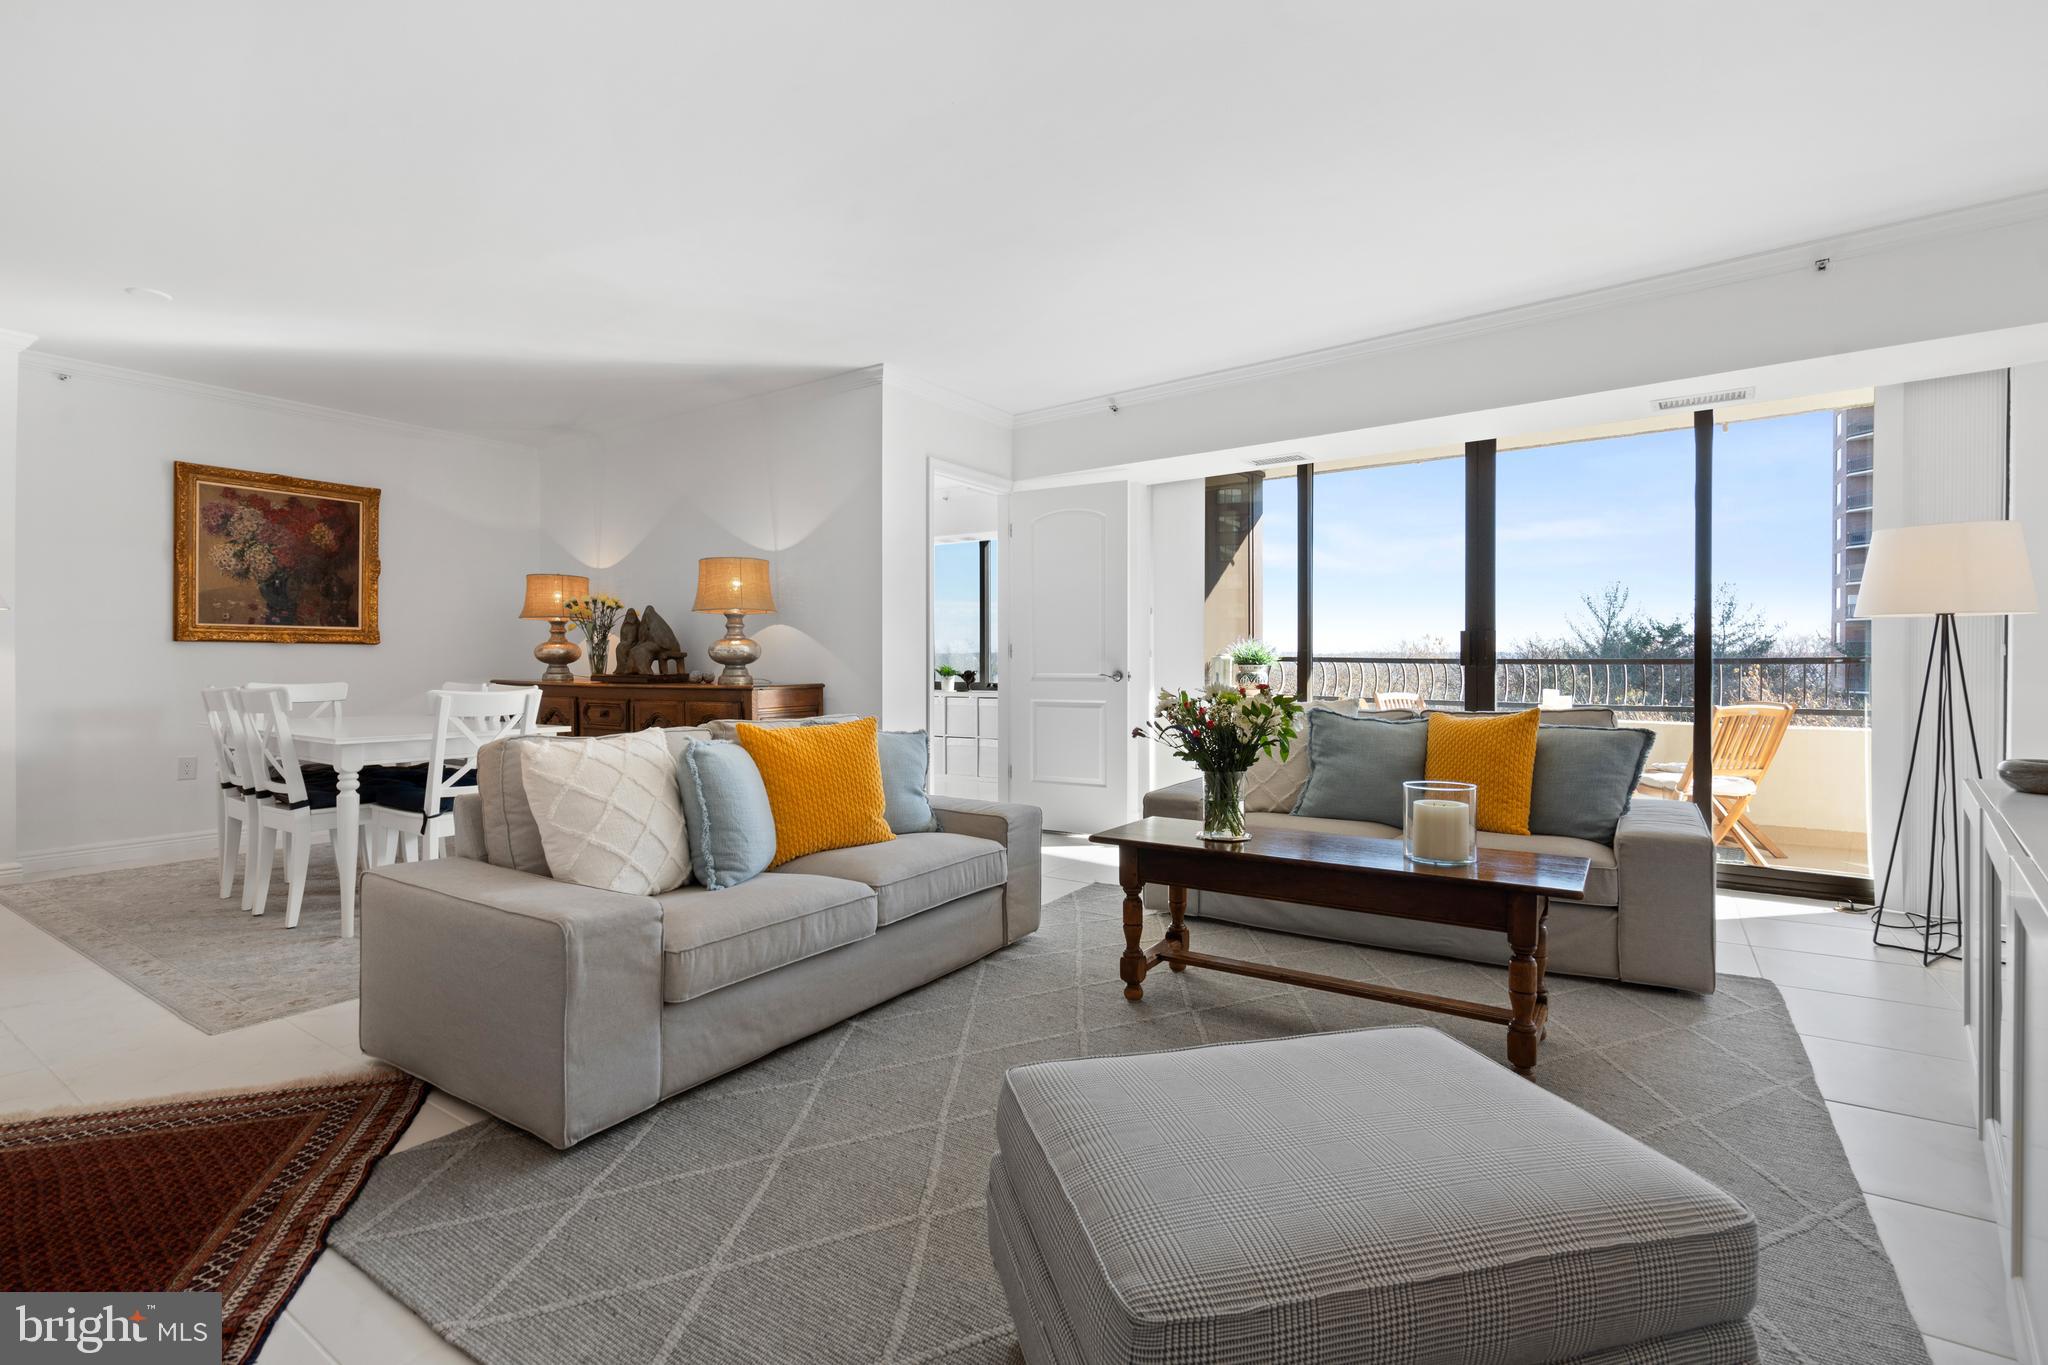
(1608, 626)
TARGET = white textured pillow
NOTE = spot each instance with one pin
(608, 812)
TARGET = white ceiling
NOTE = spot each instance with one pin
(514, 216)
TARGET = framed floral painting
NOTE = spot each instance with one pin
(269, 557)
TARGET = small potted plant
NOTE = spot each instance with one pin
(1254, 661)
(949, 678)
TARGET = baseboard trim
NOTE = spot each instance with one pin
(111, 853)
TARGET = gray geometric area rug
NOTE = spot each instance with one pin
(825, 1203)
(166, 931)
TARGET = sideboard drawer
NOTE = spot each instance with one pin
(557, 711)
(666, 712)
(595, 717)
(703, 712)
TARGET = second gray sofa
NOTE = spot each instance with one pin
(564, 1010)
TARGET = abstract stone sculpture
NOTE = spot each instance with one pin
(654, 648)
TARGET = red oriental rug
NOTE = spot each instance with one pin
(232, 1193)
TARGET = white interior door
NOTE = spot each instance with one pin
(1067, 683)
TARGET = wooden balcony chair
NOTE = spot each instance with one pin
(1746, 740)
(1398, 701)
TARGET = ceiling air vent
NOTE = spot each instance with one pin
(1705, 400)
(1269, 461)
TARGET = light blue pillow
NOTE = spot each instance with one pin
(906, 754)
(725, 808)
(1585, 779)
(1356, 765)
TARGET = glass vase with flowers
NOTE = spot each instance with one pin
(1223, 731)
(595, 616)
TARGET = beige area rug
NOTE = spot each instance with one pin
(167, 932)
(826, 1203)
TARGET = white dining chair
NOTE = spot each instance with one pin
(298, 805)
(238, 794)
(411, 816)
(322, 700)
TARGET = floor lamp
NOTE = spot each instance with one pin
(1963, 568)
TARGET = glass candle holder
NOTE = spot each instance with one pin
(1438, 822)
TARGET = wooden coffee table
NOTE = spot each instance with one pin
(1506, 891)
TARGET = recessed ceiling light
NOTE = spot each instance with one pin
(144, 292)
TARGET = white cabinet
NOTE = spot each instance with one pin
(966, 745)
(2005, 1004)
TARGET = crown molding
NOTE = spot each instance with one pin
(16, 341)
(71, 366)
(1779, 261)
(895, 377)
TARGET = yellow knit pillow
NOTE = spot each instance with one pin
(824, 785)
(1496, 754)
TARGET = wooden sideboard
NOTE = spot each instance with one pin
(591, 708)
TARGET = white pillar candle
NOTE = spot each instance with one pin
(1443, 830)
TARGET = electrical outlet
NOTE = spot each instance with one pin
(188, 769)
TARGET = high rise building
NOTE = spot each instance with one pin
(1853, 442)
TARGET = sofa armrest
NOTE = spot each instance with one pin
(537, 1000)
(1020, 830)
(1664, 861)
(1181, 801)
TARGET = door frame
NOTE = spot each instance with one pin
(936, 469)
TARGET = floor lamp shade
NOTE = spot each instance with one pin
(1956, 568)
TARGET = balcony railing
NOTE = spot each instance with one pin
(1826, 689)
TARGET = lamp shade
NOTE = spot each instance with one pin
(730, 583)
(546, 592)
(1961, 568)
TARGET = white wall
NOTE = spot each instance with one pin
(11, 343)
(1176, 608)
(2027, 660)
(107, 702)
(792, 477)
(920, 427)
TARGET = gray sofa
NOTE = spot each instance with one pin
(564, 1010)
(1648, 915)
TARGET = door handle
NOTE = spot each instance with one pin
(1117, 676)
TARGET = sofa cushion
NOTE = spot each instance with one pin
(1602, 886)
(1496, 754)
(511, 836)
(1356, 765)
(730, 729)
(732, 828)
(713, 938)
(608, 812)
(906, 757)
(1378, 1196)
(1584, 779)
(915, 872)
(824, 785)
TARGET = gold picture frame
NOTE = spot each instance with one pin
(270, 557)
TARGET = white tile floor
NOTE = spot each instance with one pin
(1885, 1036)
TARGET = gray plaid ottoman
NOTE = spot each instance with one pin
(1386, 1195)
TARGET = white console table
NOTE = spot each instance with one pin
(2005, 951)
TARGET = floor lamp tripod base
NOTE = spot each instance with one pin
(1939, 925)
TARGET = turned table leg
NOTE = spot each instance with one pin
(1177, 931)
(1131, 966)
(1525, 980)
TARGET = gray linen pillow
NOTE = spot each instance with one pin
(725, 809)
(1585, 779)
(1356, 765)
(906, 754)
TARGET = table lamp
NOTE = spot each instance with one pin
(545, 595)
(736, 587)
(1946, 570)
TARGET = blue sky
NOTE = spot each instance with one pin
(1390, 542)
(956, 603)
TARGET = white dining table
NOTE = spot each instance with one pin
(349, 745)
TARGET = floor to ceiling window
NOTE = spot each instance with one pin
(1581, 553)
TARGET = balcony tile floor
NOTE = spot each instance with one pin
(1885, 1036)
